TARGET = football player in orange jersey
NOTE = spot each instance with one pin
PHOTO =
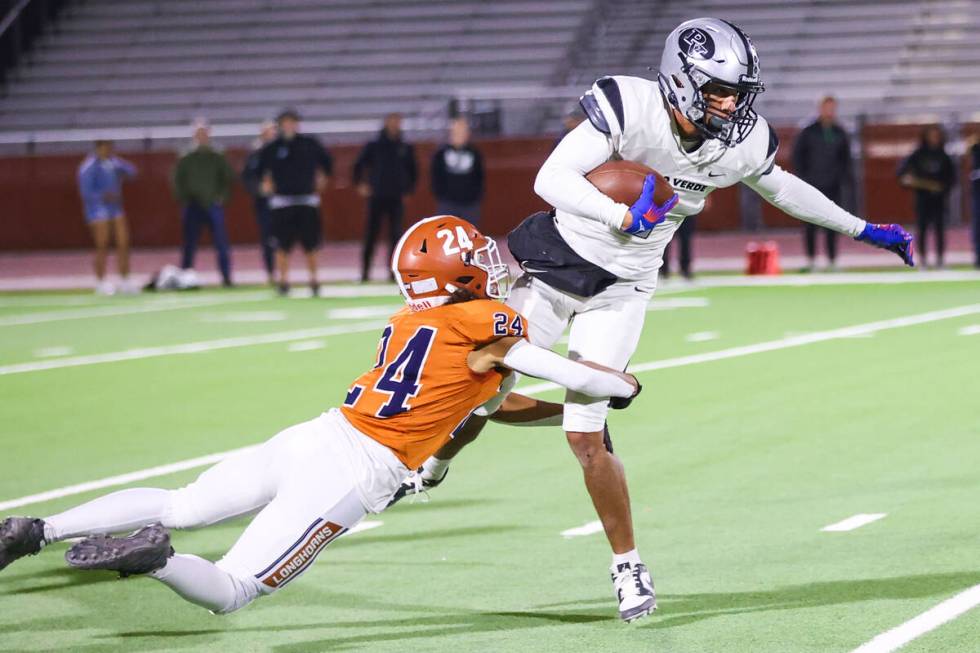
(439, 358)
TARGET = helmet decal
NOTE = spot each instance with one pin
(697, 43)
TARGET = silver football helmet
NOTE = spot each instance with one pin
(711, 51)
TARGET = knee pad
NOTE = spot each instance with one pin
(584, 414)
(180, 513)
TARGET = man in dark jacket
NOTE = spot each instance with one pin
(202, 184)
(457, 175)
(974, 144)
(294, 169)
(931, 172)
(384, 173)
(263, 215)
(822, 157)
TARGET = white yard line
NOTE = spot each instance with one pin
(122, 479)
(701, 336)
(931, 619)
(189, 347)
(361, 312)
(128, 309)
(972, 330)
(734, 352)
(585, 529)
(306, 345)
(364, 526)
(671, 303)
(788, 342)
(853, 522)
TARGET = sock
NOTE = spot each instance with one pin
(632, 557)
(434, 469)
(203, 583)
(113, 513)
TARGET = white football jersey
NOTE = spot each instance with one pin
(633, 116)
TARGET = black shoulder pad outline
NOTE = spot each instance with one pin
(591, 108)
(773, 142)
(610, 89)
(771, 151)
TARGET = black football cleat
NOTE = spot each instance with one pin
(19, 537)
(414, 485)
(146, 550)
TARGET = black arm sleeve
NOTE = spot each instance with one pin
(324, 159)
(438, 174)
(362, 163)
(411, 168)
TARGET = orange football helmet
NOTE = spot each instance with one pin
(439, 255)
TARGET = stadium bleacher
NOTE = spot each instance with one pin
(149, 63)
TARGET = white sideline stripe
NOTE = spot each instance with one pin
(971, 330)
(246, 316)
(585, 529)
(307, 345)
(786, 343)
(853, 522)
(929, 620)
(189, 348)
(122, 479)
(364, 526)
(361, 312)
(107, 311)
(671, 303)
(543, 387)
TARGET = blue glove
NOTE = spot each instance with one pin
(646, 214)
(891, 237)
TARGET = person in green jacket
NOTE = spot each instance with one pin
(202, 184)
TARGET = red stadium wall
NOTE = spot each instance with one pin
(41, 208)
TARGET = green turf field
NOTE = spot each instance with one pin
(734, 465)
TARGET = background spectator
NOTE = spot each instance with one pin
(100, 178)
(385, 171)
(683, 238)
(202, 184)
(294, 169)
(973, 143)
(253, 183)
(457, 175)
(822, 157)
(931, 172)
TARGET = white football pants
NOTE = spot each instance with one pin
(605, 329)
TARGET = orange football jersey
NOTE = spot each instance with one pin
(420, 388)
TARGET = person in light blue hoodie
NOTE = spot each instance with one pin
(100, 178)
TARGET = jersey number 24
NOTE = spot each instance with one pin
(400, 379)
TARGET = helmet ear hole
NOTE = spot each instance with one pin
(677, 82)
(464, 280)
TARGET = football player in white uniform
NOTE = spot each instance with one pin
(593, 262)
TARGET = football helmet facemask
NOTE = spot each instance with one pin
(438, 256)
(710, 51)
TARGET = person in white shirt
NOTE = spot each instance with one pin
(593, 262)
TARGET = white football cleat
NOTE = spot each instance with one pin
(128, 286)
(105, 288)
(634, 590)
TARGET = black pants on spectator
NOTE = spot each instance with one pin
(213, 217)
(683, 236)
(930, 211)
(379, 209)
(468, 211)
(263, 216)
(976, 224)
(810, 231)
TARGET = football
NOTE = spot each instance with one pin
(623, 181)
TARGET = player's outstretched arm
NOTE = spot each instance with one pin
(804, 202)
(520, 355)
(521, 410)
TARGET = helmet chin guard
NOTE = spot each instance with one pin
(706, 51)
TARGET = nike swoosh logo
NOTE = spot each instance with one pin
(711, 174)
